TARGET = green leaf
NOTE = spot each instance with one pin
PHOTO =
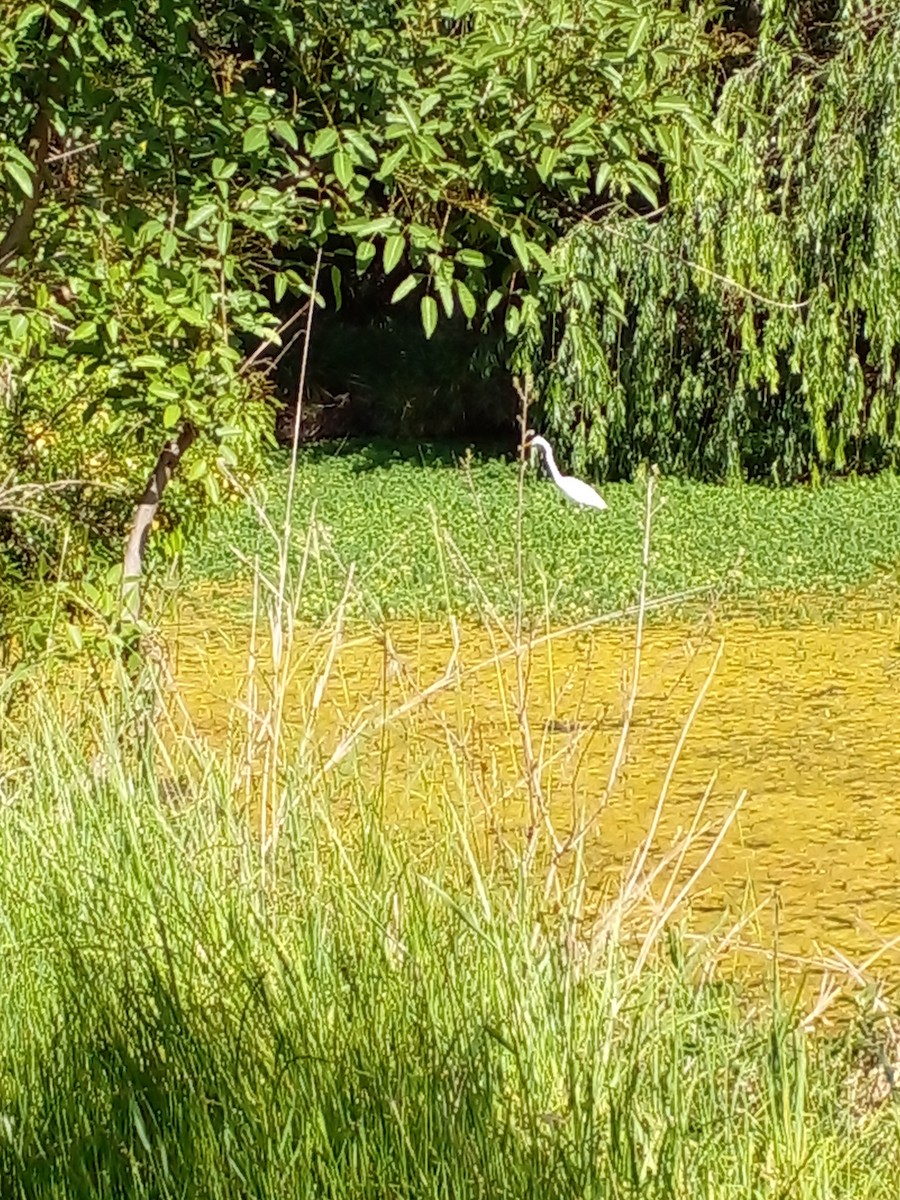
(365, 252)
(336, 285)
(638, 34)
(27, 15)
(466, 299)
(495, 298)
(411, 118)
(223, 237)
(162, 391)
(74, 635)
(211, 487)
(85, 331)
(199, 216)
(409, 284)
(668, 102)
(547, 162)
(324, 142)
(530, 75)
(168, 244)
(513, 320)
(222, 169)
(365, 228)
(579, 126)
(281, 285)
(18, 326)
(649, 193)
(540, 256)
(392, 161)
(445, 291)
(582, 293)
(393, 251)
(256, 138)
(429, 312)
(22, 177)
(171, 415)
(148, 231)
(423, 237)
(287, 133)
(521, 248)
(471, 258)
(361, 146)
(343, 167)
(149, 362)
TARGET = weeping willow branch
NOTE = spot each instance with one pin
(751, 328)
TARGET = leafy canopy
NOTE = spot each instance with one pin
(171, 169)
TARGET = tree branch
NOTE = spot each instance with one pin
(133, 562)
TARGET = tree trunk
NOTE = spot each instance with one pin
(133, 563)
(37, 148)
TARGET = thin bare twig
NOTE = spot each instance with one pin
(537, 802)
(577, 836)
(673, 762)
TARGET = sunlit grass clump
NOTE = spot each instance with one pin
(350, 1013)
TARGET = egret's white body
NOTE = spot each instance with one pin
(575, 489)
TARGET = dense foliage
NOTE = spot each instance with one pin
(752, 327)
(682, 220)
(170, 172)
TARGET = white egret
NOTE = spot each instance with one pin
(575, 489)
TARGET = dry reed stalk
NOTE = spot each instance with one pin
(492, 620)
(665, 916)
(274, 338)
(704, 626)
(539, 812)
(486, 524)
(252, 703)
(728, 942)
(285, 670)
(458, 749)
(636, 886)
(610, 922)
(282, 618)
(577, 837)
(581, 827)
(489, 609)
(673, 763)
(692, 832)
(450, 676)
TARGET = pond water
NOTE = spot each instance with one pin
(800, 715)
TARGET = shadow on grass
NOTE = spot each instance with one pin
(160, 1094)
(372, 454)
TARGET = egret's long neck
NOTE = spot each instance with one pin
(550, 460)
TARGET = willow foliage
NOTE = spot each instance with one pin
(753, 328)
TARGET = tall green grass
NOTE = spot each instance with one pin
(374, 1015)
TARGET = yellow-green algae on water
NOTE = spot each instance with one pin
(802, 712)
